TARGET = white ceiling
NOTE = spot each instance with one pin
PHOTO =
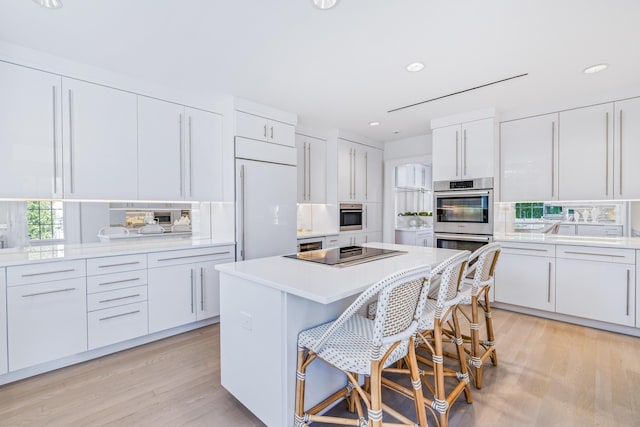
(346, 67)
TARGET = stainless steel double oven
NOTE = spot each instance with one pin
(463, 217)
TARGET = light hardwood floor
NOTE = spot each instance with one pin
(550, 374)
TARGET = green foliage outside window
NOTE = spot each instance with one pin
(45, 220)
(533, 210)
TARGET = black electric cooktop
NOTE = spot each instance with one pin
(345, 256)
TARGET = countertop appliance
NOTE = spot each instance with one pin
(266, 194)
(345, 256)
(350, 216)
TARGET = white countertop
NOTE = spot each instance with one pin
(325, 284)
(555, 239)
(416, 228)
(17, 256)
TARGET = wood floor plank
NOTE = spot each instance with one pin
(550, 374)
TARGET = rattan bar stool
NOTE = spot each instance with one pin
(357, 346)
(475, 293)
(446, 278)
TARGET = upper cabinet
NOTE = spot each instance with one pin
(99, 141)
(263, 129)
(312, 169)
(529, 159)
(30, 133)
(586, 153)
(416, 176)
(626, 178)
(203, 158)
(359, 172)
(463, 151)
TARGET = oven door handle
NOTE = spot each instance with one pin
(351, 211)
(462, 193)
(469, 238)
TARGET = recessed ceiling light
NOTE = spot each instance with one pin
(50, 4)
(374, 123)
(325, 4)
(415, 66)
(396, 132)
(595, 68)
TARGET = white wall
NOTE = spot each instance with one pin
(416, 149)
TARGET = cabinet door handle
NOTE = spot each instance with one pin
(620, 156)
(366, 176)
(464, 152)
(68, 270)
(118, 299)
(190, 160)
(366, 217)
(119, 281)
(49, 292)
(119, 264)
(271, 132)
(456, 153)
(549, 284)
(201, 289)
(265, 130)
(553, 155)
(191, 290)
(120, 315)
(606, 158)
(524, 249)
(355, 175)
(628, 284)
(181, 159)
(55, 154)
(242, 210)
(71, 177)
(309, 174)
(350, 173)
(304, 171)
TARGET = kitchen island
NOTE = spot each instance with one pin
(266, 302)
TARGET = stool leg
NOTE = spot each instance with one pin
(375, 411)
(489, 322)
(418, 397)
(440, 399)
(476, 362)
(300, 377)
(462, 359)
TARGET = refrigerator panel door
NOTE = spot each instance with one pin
(266, 209)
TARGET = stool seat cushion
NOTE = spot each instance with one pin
(351, 348)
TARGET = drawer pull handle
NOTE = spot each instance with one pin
(49, 272)
(628, 283)
(118, 281)
(525, 249)
(49, 292)
(120, 315)
(594, 254)
(119, 265)
(193, 256)
(119, 298)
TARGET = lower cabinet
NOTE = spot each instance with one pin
(525, 275)
(596, 283)
(46, 321)
(184, 286)
(3, 324)
(117, 324)
(415, 237)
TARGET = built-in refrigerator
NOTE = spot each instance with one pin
(266, 199)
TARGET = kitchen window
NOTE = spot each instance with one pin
(45, 221)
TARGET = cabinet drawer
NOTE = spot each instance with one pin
(115, 264)
(45, 272)
(163, 259)
(109, 282)
(117, 324)
(116, 298)
(613, 255)
(531, 249)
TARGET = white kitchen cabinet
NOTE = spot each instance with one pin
(312, 169)
(413, 176)
(264, 129)
(332, 241)
(3, 323)
(637, 292)
(117, 324)
(415, 237)
(99, 141)
(626, 178)
(31, 133)
(599, 230)
(372, 217)
(585, 156)
(47, 320)
(567, 230)
(359, 172)
(463, 151)
(529, 159)
(526, 276)
(596, 283)
(179, 152)
(183, 286)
